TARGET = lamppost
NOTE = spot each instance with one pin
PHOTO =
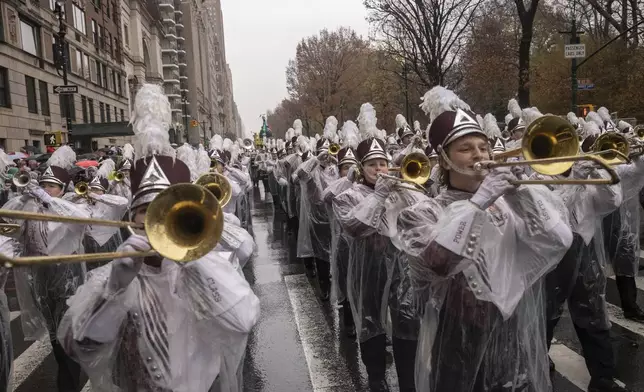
(62, 63)
(184, 101)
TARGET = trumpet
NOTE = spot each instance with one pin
(183, 223)
(415, 168)
(218, 185)
(334, 149)
(82, 189)
(116, 175)
(550, 146)
(21, 180)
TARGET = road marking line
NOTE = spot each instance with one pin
(14, 315)
(29, 360)
(327, 366)
(570, 365)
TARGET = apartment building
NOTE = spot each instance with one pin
(29, 108)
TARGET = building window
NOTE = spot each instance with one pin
(99, 79)
(94, 32)
(64, 100)
(108, 9)
(108, 111)
(114, 85)
(79, 63)
(104, 74)
(118, 84)
(5, 94)
(90, 104)
(100, 41)
(116, 115)
(84, 108)
(44, 97)
(122, 115)
(52, 5)
(115, 10)
(126, 36)
(32, 103)
(79, 19)
(97, 3)
(29, 35)
(86, 72)
(110, 45)
(101, 110)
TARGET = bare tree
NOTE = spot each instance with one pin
(427, 35)
(527, 9)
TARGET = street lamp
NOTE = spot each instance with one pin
(184, 100)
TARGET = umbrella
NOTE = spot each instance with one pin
(18, 155)
(86, 164)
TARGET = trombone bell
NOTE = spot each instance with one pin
(334, 149)
(550, 137)
(81, 189)
(415, 168)
(612, 141)
(218, 185)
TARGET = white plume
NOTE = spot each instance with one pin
(530, 114)
(604, 114)
(508, 118)
(227, 144)
(128, 151)
(401, 121)
(480, 120)
(439, 100)
(417, 126)
(297, 127)
(623, 125)
(303, 143)
(5, 161)
(186, 154)
(216, 143)
(63, 157)
(351, 134)
(150, 121)
(317, 136)
(312, 143)
(330, 128)
(491, 128)
(367, 121)
(572, 118)
(289, 134)
(107, 166)
(234, 153)
(203, 160)
(594, 117)
(514, 108)
(590, 128)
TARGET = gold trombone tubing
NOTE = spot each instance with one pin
(614, 178)
(71, 259)
(24, 215)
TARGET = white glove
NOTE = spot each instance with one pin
(327, 159)
(124, 270)
(384, 186)
(282, 181)
(495, 185)
(39, 193)
(583, 169)
(353, 172)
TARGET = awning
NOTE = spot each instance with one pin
(122, 128)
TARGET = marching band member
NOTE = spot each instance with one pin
(404, 132)
(304, 250)
(339, 257)
(122, 188)
(43, 290)
(478, 253)
(516, 126)
(148, 323)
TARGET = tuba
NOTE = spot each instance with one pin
(183, 223)
(218, 185)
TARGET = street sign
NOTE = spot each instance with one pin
(585, 84)
(53, 139)
(65, 89)
(575, 51)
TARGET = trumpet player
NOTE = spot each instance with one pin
(49, 286)
(145, 323)
(481, 328)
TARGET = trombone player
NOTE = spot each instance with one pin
(145, 323)
(50, 286)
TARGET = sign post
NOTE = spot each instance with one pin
(576, 51)
(65, 90)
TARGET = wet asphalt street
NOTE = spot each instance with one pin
(298, 345)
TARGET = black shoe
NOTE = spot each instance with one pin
(605, 385)
(378, 386)
(635, 314)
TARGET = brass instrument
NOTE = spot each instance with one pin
(415, 168)
(218, 185)
(21, 180)
(612, 141)
(248, 144)
(183, 223)
(550, 146)
(639, 132)
(8, 228)
(116, 175)
(334, 149)
(82, 189)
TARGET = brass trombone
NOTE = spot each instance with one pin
(218, 185)
(630, 148)
(550, 146)
(82, 189)
(334, 149)
(183, 223)
(415, 168)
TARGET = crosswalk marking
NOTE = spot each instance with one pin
(29, 360)
(14, 315)
(570, 365)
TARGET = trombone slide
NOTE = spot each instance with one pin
(24, 215)
(70, 259)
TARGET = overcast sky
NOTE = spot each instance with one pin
(261, 36)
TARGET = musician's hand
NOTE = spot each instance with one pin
(384, 186)
(495, 185)
(353, 173)
(38, 192)
(125, 269)
(584, 169)
(417, 141)
(327, 159)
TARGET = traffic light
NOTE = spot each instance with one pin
(583, 110)
(194, 123)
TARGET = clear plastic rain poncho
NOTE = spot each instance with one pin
(304, 246)
(176, 327)
(292, 194)
(314, 179)
(339, 256)
(478, 274)
(376, 278)
(236, 240)
(7, 246)
(236, 189)
(44, 289)
(622, 227)
(580, 277)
